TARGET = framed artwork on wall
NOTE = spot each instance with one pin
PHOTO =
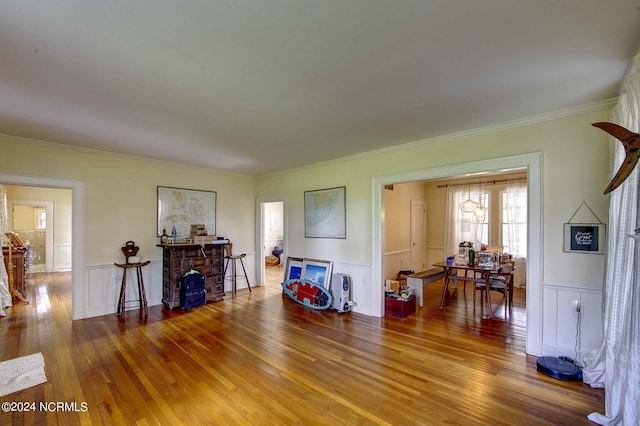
(325, 214)
(584, 238)
(182, 208)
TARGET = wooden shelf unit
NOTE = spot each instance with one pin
(177, 259)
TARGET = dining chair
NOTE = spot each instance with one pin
(501, 282)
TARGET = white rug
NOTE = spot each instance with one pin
(21, 373)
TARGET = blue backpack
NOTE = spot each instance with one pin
(192, 290)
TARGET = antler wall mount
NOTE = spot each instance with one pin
(631, 143)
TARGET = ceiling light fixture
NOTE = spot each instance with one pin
(469, 206)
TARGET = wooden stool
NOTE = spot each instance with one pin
(123, 287)
(234, 276)
(129, 250)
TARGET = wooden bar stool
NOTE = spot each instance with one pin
(230, 257)
(130, 250)
(123, 287)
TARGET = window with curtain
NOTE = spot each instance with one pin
(614, 364)
(513, 203)
(462, 226)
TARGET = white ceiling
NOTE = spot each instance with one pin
(256, 86)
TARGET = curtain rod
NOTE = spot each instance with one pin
(489, 182)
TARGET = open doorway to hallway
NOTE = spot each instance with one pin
(273, 242)
(42, 216)
(76, 225)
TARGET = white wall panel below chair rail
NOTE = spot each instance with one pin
(396, 261)
(103, 285)
(103, 288)
(61, 257)
(249, 262)
(565, 330)
(361, 286)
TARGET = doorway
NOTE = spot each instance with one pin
(271, 232)
(76, 256)
(533, 164)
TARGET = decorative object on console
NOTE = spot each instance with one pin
(631, 143)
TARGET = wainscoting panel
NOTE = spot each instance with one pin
(361, 290)
(62, 258)
(396, 261)
(435, 254)
(103, 287)
(562, 324)
(250, 265)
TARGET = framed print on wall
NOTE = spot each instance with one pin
(325, 214)
(584, 238)
(317, 271)
(182, 208)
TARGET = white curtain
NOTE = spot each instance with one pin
(515, 210)
(461, 226)
(5, 297)
(615, 364)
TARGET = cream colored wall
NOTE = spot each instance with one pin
(61, 199)
(397, 210)
(575, 168)
(121, 195)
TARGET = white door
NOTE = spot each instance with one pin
(418, 235)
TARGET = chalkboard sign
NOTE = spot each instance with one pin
(584, 238)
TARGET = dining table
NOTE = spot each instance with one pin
(479, 274)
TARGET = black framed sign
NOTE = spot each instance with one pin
(584, 238)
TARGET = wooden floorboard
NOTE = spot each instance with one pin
(263, 359)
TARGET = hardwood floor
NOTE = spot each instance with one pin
(263, 359)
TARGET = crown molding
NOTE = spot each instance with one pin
(540, 118)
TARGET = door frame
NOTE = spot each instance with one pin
(260, 240)
(77, 226)
(534, 271)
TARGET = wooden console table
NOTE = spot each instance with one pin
(19, 258)
(208, 259)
